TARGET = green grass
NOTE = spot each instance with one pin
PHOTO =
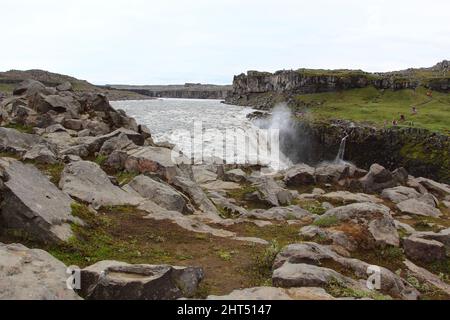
(326, 222)
(7, 88)
(100, 160)
(124, 177)
(377, 106)
(339, 290)
(20, 127)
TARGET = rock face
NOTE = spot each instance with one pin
(32, 203)
(247, 87)
(158, 192)
(400, 194)
(86, 181)
(113, 280)
(31, 274)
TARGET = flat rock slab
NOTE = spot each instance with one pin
(86, 181)
(17, 142)
(416, 207)
(270, 293)
(32, 203)
(114, 280)
(348, 197)
(31, 274)
(160, 193)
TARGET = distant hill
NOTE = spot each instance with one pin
(187, 91)
(9, 79)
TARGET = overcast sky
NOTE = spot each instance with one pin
(209, 41)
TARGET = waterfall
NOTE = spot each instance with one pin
(341, 153)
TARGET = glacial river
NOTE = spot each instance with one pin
(175, 121)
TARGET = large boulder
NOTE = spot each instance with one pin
(113, 280)
(86, 181)
(375, 218)
(332, 173)
(29, 87)
(399, 194)
(300, 175)
(377, 179)
(307, 275)
(271, 193)
(160, 193)
(30, 202)
(197, 196)
(152, 160)
(17, 142)
(436, 188)
(423, 250)
(40, 154)
(309, 253)
(32, 274)
(443, 236)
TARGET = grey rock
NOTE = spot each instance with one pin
(426, 276)
(332, 173)
(113, 280)
(400, 194)
(436, 188)
(349, 197)
(73, 124)
(29, 87)
(66, 86)
(423, 250)
(235, 175)
(299, 175)
(377, 179)
(270, 293)
(17, 142)
(32, 274)
(197, 195)
(152, 160)
(86, 181)
(33, 204)
(271, 193)
(375, 217)
(306, 275)
(40, 154)
(416, 207)
(313, 254)
(160, 193)
(443, 236)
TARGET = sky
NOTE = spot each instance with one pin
(210, 41)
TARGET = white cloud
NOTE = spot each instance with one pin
(176, 41)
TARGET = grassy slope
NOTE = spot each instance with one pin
(375, 106)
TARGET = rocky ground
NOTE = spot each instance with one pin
(82, 184)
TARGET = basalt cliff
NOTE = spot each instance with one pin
(263, 90)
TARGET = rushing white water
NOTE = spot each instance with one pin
(177, 120)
